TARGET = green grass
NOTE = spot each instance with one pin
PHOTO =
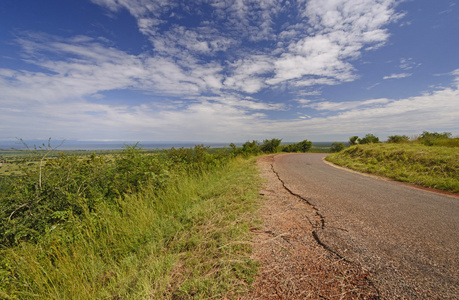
(428, 166)
(190, 240)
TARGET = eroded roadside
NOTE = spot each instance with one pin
(294, 264)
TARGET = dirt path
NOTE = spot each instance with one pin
(293, 263)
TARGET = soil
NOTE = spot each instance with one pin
(293, 262)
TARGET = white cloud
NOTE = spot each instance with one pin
(408, 64)
(348, 105)
(315, 47)
(231, 118)
(338, 32)
(195, 79)
(397, 76)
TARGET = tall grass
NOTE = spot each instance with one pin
(428, 166)
(187, 240)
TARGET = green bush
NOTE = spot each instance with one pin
(369, 139)
(70, 187)
(398, 139)
(303, 146)
(353, 140)
(190, 239)
(251, 148)
(337, 147)
(270, 146)
(434, 138)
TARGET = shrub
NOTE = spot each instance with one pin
(252, 147)
(369, 139)
(67, 188)
(270, 146)
(398, 139)
(433, 138)
(353, 140)
(337, 147)
(302, 146)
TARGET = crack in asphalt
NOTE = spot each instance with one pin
(318, 214)
(321, 227)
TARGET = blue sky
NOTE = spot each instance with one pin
(227, 71)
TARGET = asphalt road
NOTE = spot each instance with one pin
(407, 238)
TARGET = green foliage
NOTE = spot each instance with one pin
(429, 166)
(434, 138)
(270, 146)
(337, 147)
(369, 139)
(188, 239)
(451, 142)
(353, 140)
(398, 139)
(303, 146)
(54, 192)
(251, 148)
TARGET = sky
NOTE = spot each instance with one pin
(227, 71)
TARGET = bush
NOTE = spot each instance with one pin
(369, 139)
(337, 147)
(250, 148)
(433, 138)
(67, 188)
(270, 146)
(353, 140)
(302, 146)
(398, 139)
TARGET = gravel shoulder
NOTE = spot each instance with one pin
(293, 262)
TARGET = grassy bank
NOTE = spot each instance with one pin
(428, 166)
(187, 239)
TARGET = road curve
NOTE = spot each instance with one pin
(407, 238)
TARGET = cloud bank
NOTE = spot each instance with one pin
(205, 71)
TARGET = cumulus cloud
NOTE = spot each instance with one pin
(315, 47)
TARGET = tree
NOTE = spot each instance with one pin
(270, 146)
(251, 147)
(398, 139)
(337, 147)
(302, 146)
(369, 139)
(353, 140)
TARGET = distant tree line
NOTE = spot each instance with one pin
(270, 146)
(426, 138)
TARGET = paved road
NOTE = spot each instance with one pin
(407, 238)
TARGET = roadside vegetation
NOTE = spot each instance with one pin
(129, 225)
(132, 224)
(430, 159)
(172, 224)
